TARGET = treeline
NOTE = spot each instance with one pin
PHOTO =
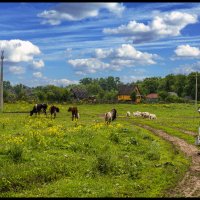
(106, 89)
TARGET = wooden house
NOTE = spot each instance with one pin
(125, 91)
(79, 93)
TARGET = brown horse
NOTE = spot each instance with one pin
(75, 114)
(53, 110)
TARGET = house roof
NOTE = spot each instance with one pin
(79, 93)
(152, 96)
(125, 89)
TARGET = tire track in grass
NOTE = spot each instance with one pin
(189, 186)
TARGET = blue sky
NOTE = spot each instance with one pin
(61, 43)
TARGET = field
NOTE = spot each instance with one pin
(40, 157)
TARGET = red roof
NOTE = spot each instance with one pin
(152, 96)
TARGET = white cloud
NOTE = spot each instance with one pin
(188, 68)
(17, 70)
(187, 51)
(37, 64)
(162, 26)
(18, 50)
(47, 81)
(37, 74)
(88, 65)
(112, 59)
(77, 11)
(63, 82)
(126, 52)
(129, 79)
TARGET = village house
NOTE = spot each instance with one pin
(79, 93)
(125, 91)
(152, 97)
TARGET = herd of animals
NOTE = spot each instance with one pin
(108, 116)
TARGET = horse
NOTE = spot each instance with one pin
(75, 114)
(37, 108)
(53, 110)
(110, 116)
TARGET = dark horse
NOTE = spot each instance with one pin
(37, 108)
(110, 116)
(75, 114)
(53, 110)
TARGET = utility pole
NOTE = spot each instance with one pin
(196, 93)
(1, 82)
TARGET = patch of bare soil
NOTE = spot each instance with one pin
(189, 186)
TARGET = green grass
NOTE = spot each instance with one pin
(40, 157)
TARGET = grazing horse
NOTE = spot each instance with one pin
(53, 110)
(110, 116)
(75, 114)
(37, 108)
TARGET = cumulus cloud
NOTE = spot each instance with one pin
(77, 11)
(37, 74)
(63, 82)
(161, 26)
(17, 70)
(37, 64)
(126, 54)
(47, 81)
(187, 51)
(188, 68)
(88, 65)
(113, 59)
(129, 79)
(19, 50)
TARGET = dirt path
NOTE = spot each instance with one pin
(190, 184)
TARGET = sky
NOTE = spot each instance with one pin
(60, 43)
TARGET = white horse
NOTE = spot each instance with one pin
(110, 116)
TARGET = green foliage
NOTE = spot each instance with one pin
(106, 89)
(133, 96)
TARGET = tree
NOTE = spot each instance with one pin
(163, 95)
(86, 81)
(133, 96)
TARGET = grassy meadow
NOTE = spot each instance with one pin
(40, 157)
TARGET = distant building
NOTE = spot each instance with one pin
(152, 97)
(79, 93)
(125, 91)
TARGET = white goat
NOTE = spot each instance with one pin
(137, 114)
(152, 116)
(145, 114)
(128, 114)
